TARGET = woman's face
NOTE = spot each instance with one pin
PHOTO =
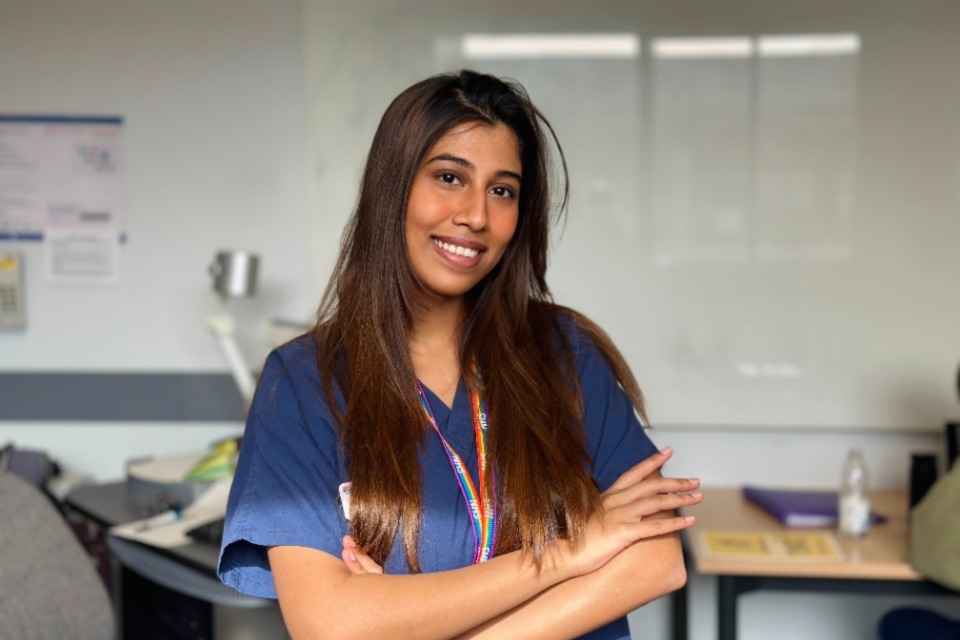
(463, 207)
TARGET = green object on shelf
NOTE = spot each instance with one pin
(218, 464)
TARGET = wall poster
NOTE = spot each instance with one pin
(61, 183)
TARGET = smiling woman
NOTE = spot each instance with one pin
(449, 453)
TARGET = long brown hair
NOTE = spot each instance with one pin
(512, 331)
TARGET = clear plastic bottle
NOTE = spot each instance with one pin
(854, 506)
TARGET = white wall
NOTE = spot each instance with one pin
(214, 128)
(214, 131)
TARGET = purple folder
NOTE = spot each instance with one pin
(800, 508)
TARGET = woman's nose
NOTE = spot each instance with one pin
(472, 209)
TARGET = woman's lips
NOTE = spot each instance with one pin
(458, 252)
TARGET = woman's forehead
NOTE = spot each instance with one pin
(476, 139)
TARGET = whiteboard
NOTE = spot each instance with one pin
(771, 240)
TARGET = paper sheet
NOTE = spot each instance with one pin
(211, 505)
(167, 468)
(61, 180)
(809, 547)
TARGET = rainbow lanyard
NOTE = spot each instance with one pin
(482, 505)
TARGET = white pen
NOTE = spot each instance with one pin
(159, 520)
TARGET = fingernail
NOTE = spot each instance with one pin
(696, 494)
(695, 481)
(689, 518)
(666, 451)
(352, 556)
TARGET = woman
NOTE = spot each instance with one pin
(477, 436)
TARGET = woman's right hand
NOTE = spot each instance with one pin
(638, 505)
(358, 562)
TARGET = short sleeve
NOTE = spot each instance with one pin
(285, 490)
(615, 438)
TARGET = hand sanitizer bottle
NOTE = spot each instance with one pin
(854, 506)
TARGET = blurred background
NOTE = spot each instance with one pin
(764, 214)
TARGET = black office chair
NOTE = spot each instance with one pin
(48, 586)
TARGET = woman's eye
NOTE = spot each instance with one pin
(449, 178)
(503, 192)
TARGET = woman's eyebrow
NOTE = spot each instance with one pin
(463, 162)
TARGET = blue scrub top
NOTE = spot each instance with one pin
(285, 491)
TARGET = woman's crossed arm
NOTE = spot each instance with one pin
(632, 541)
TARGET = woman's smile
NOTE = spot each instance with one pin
(459, 252)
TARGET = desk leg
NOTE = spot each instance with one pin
(678, 613)
(727, 592)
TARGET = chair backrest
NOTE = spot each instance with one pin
(48, 586)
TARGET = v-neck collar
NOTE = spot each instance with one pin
(447, 417)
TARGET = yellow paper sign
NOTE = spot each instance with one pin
(779, 546)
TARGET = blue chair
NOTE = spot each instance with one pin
(914, 623)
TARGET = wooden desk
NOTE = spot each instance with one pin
(876, 564)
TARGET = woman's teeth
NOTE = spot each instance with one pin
(457, 249)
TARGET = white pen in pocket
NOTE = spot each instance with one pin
(344, 490)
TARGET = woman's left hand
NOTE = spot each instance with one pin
(356, 560)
